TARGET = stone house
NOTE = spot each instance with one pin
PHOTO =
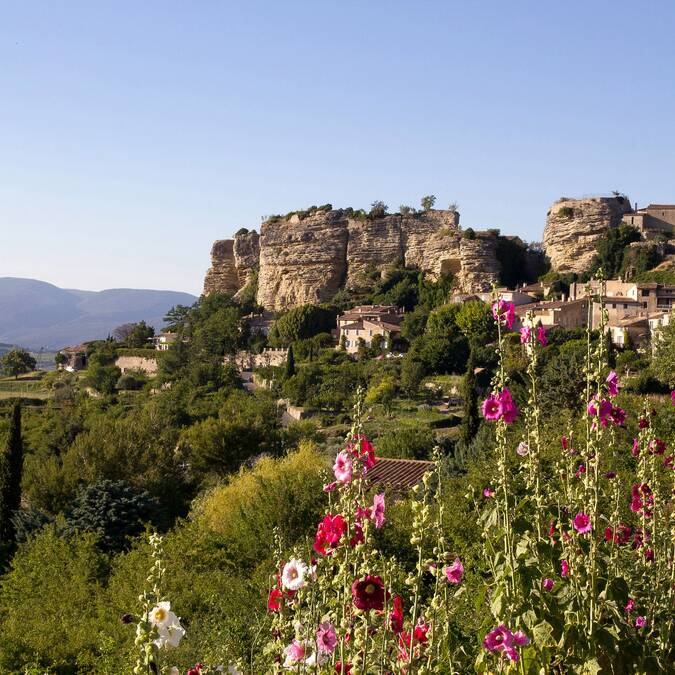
(631, 330)
(366, 322)
(653, 220)
(260, 323)
(563, 314)
(163, 341)
(73, 358)
(657, 322)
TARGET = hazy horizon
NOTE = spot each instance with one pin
(134, 136)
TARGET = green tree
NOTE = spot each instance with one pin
(428, 202)
(176, 317)
(406, 210)
(470, 416)
(17, 362)
(383, 393)
(610, 250)
(474, 319)
(140, 335)
(406, 443)
(378, 209)
(412, 373)
(664, 359)
(290, 363)
(301, 323)
(11, 471)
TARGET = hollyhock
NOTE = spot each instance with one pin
(635, 450)
(454, 572)
(361, 513)
(640, 621)
(329, 487)
(649, 555)
(343, 467)
(161, 615)
(520, 638)
(643, 423)
(274, 600)
(343, 670)
(581, 470)
(295, 653)
(582, 523)
(492, 408)
(541, 336)
(509, 409)
(293, 574)
(504, 312)
(565, 443)
(368, 593)
(619, 536)
(329, 533)
(525, 333)
(358, 536)
(630, 606)
(612, 383)
(170, 636)
(488, 492)
(601, 409)
(669, 462)
(672, 396)
(363, 450)
(377, 512)
(195, 670)
(396, 616)
(326, 638)
(498, 638)
(656, 447)
(522, 449)
(618, 416)
(564, 568)
(547, 584)
(609, 474)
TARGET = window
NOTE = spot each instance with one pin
(645, 292)
(625, 306)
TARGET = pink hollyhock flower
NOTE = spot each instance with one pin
(396, 616)
(454, 572)
(504, 312)
(541, 336)
(630, 606)
(329, 487)
(368, 593)
(326, 638)
(635, 450)
(365, 451)
(295, 652)
(525, 333)
(564, 568)
(520, 638)
(582, 523)
(511, 654)
(420, 634)
(672, 396)
(377, 512)
(581, 470)
(640, 621)
(361, 513)
(669, 462)
(509, 409)
(492, 408)
(498, 639)
(564, 442)
(329, 533)
(619, 536)
(547, 584)
(195, 670)
(649, 555)
(343, 467)
(657, 446)
(358, 537)
(522, 449)
(612, 383)
(488, 492)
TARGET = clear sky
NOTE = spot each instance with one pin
(133, 134)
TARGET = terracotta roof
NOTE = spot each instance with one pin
(399, 474)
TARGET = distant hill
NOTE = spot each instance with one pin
(36, 315)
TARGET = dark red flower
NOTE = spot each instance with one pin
(620, 536)
(274, 600)
(396, 616)
(195, 670)
(358, 537)
(368, 593)
(343, 670)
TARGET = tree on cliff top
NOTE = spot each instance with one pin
(378, 209)
(428, 202)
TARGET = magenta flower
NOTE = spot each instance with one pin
(492, 408)
(582, 523)
(329, 487)
(498, 638)
(618, 416)
(640, 621)
(509, 408)
(630, 606)
(564, 568)
(541, 336)
(504, 312)
(672, 396)
(520, 638)
(612, 384)
(488, 492)
(455, 572)
(377, 512)
(547, 584)
(295, 652)
(635, 450)
(326, 638)
(525, 333)
(343, 467)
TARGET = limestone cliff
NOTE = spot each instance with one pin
(308, 257)
(573, 227)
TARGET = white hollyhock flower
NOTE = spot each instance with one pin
(293, 574)
(170, 636)
(161, 615)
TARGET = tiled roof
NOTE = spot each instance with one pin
(399, 474)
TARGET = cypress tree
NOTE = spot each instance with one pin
(290, 362)
(11, 468)
(470, 417)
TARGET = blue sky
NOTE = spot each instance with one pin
(134, 134)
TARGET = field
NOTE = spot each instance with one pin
(30, 385)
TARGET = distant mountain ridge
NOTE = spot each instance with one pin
(36, 314)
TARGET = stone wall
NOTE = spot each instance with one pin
(308, 259)
(574, 226)
(140, 364)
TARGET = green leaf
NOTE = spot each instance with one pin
(591, 667)
(542, 634)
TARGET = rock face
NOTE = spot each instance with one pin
(573, 227)
(308, 259)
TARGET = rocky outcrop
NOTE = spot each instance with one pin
(308, 257)
(573, 227)
(233, 261)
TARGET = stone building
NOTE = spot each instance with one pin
(366, 322)
(653, 220)
(559, 313)
(73, 358)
